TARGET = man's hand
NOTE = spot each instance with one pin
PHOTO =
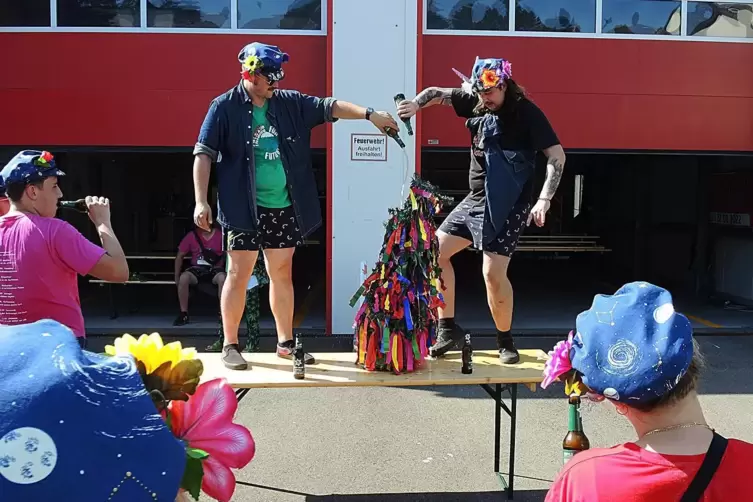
(202, 216)
(99, 210)
(382, 120)
(538, 213)
(406, 109)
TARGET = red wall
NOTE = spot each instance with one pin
(611, 94)
(100, 89)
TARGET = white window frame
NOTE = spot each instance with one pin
(233, 30)
(683, 37)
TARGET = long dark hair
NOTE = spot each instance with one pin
(514, 93)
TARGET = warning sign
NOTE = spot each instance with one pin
(365, 147)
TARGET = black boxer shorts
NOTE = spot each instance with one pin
(277, 228)
(467, 221)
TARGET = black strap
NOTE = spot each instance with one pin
(708, 469)
(198, 239)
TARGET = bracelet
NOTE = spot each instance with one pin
(543, 198)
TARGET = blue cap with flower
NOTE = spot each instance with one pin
(631, 346)
(264, 59)
(489, 73)
(29, 166)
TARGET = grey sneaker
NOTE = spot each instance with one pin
(232, 358)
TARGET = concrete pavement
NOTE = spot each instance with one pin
(436, 444)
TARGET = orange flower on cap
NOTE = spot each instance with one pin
(489, 78)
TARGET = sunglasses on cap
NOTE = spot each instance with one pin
(273, 75)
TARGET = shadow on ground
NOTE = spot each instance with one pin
(524, 495)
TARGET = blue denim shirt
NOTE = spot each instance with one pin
(226, 137)
(507, 172)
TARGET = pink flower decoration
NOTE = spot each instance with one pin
(205, 422)
(559, 361)
(507, 68)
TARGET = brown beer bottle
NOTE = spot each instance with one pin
(576, 439)
(76, 205)
(394, 135)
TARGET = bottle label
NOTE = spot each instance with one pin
(568, 454)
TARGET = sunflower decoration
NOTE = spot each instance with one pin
(252, 64)
(169, 371)
(489, 78)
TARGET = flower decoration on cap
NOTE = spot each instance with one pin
(44, 160)
(200, 415)
(559, 361)
(252, 64)
(490, 73)
(214, 443)
(170, 372)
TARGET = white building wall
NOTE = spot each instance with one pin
(374, 58)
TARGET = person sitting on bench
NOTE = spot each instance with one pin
(207, 266)
(42, 256)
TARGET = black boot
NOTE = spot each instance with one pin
(449, 336)
(508, 354)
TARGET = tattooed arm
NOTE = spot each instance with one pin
(433, 96)
(554, 166)
(428, 97)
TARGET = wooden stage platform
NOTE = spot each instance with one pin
(338, 369)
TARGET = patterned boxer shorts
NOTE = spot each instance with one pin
(467, 221)
(276, 229)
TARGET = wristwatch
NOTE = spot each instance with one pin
(369, 111)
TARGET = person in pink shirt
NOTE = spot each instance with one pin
(207, 266)
(4, 202)
(42, 256)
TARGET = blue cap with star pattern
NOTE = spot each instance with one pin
(632, 346)
(79, 426)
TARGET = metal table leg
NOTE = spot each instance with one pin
(241, 393)
(496, 394)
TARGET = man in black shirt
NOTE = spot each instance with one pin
(506, 131)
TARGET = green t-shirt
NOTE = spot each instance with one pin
(271, 182)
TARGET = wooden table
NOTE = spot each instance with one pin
(338, 369)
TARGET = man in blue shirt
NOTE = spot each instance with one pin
(259, 136)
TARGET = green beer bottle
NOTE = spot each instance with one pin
(576, 439)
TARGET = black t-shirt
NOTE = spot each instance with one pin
(524, 127)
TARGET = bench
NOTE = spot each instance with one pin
(338, 369)
(147, 281)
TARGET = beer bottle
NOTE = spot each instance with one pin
(399, 98)
(299, 370)
(576, 439)
(75, 205)
(394, 135)
(467, 353)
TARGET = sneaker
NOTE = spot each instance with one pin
(447, 339)
(285, 351)
(232, 358)
(181, 320)
(508, 354)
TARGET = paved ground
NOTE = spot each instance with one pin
(436, 444)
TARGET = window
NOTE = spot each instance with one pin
(280, 14)
(24, 12)
(489, 15)
(715, 19)
(205, 14)
(122, 13)
(577, 16)
(641, 17)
